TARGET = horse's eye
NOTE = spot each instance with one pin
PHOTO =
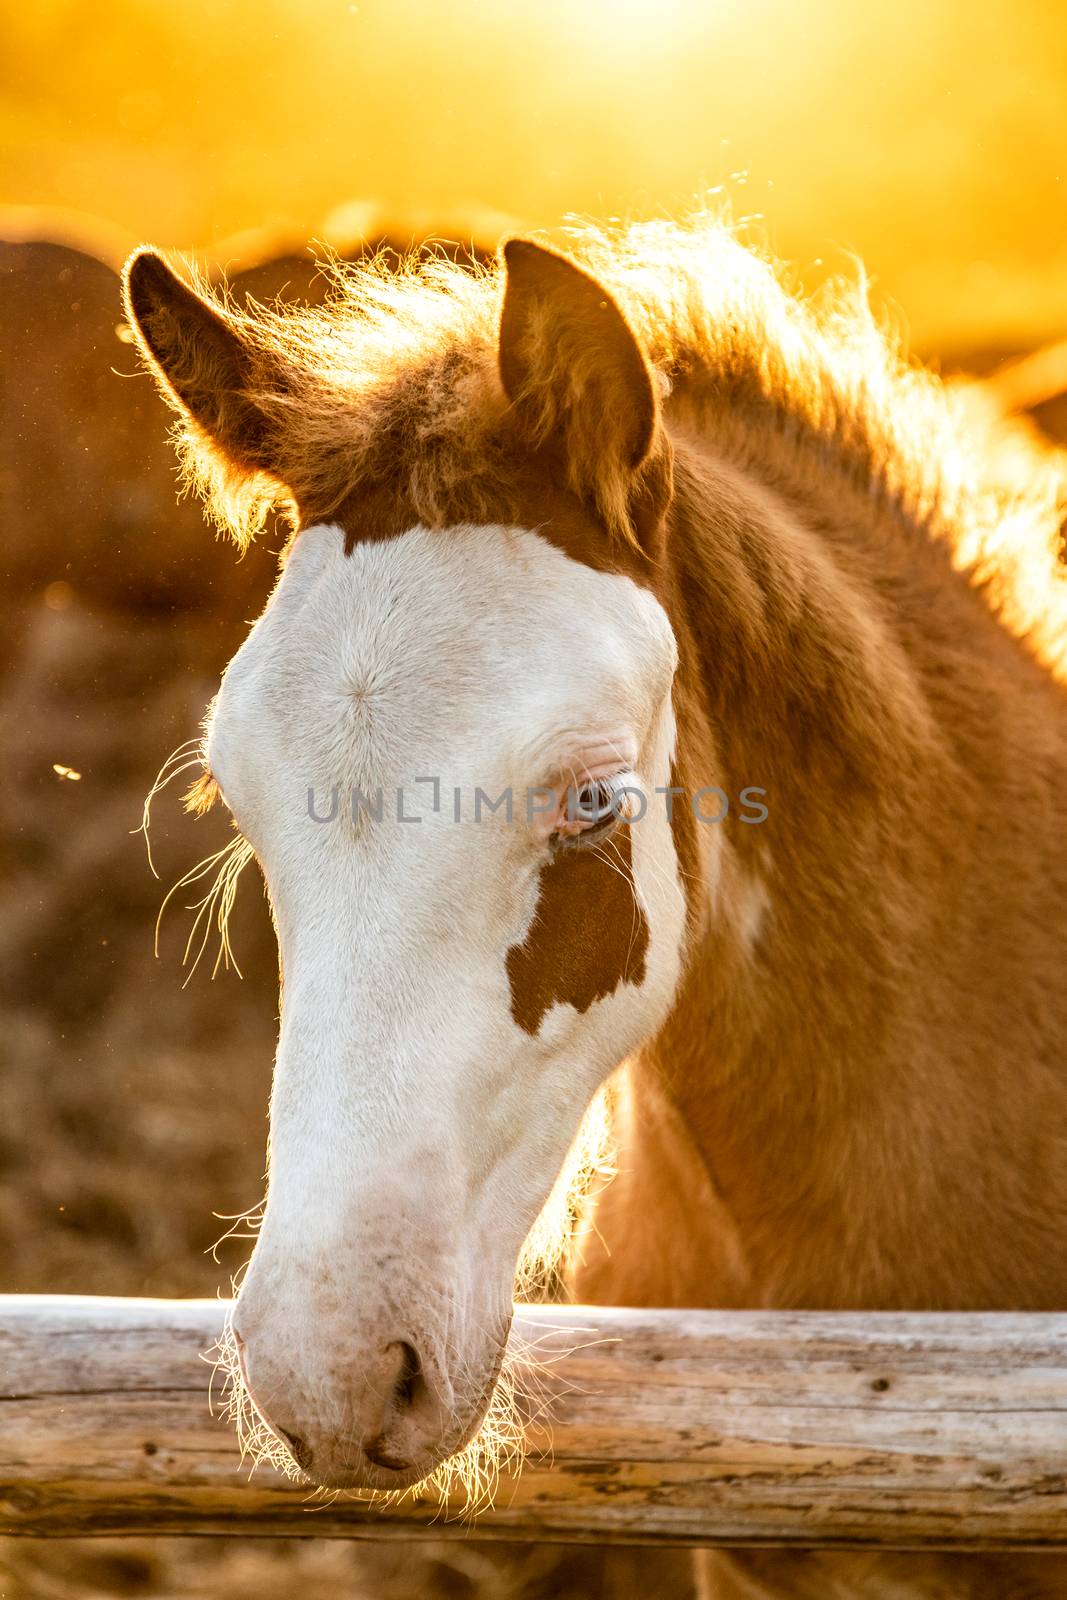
(594, 802)
(589, 812)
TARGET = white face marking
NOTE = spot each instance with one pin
(416, 1127)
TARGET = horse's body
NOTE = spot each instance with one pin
(861, 1099)
(846, 1082)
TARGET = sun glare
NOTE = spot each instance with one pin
(902, 133)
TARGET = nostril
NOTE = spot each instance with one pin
(404, 1388)
(375, 1451)
(301, 1452)
(409, 1380)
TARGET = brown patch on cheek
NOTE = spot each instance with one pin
(588, 935)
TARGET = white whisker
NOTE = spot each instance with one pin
(215, 906)
(188, 754)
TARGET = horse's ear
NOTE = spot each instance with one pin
(580, 384)
(201, 359)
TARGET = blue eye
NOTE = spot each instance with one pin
(594, 807)
(594, 802)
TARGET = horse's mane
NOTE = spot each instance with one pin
(393, 381)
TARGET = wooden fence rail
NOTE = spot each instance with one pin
(682, 1427)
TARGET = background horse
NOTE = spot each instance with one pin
(639, 523)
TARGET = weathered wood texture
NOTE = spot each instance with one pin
(689, 1427)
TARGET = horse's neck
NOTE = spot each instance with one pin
(797, 677)
(792, 1106)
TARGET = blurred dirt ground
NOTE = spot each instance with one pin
(133, 1109)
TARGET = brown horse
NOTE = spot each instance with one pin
(661, 673)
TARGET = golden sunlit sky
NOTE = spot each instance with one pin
(929, 137)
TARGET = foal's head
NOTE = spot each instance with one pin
(467, 616)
